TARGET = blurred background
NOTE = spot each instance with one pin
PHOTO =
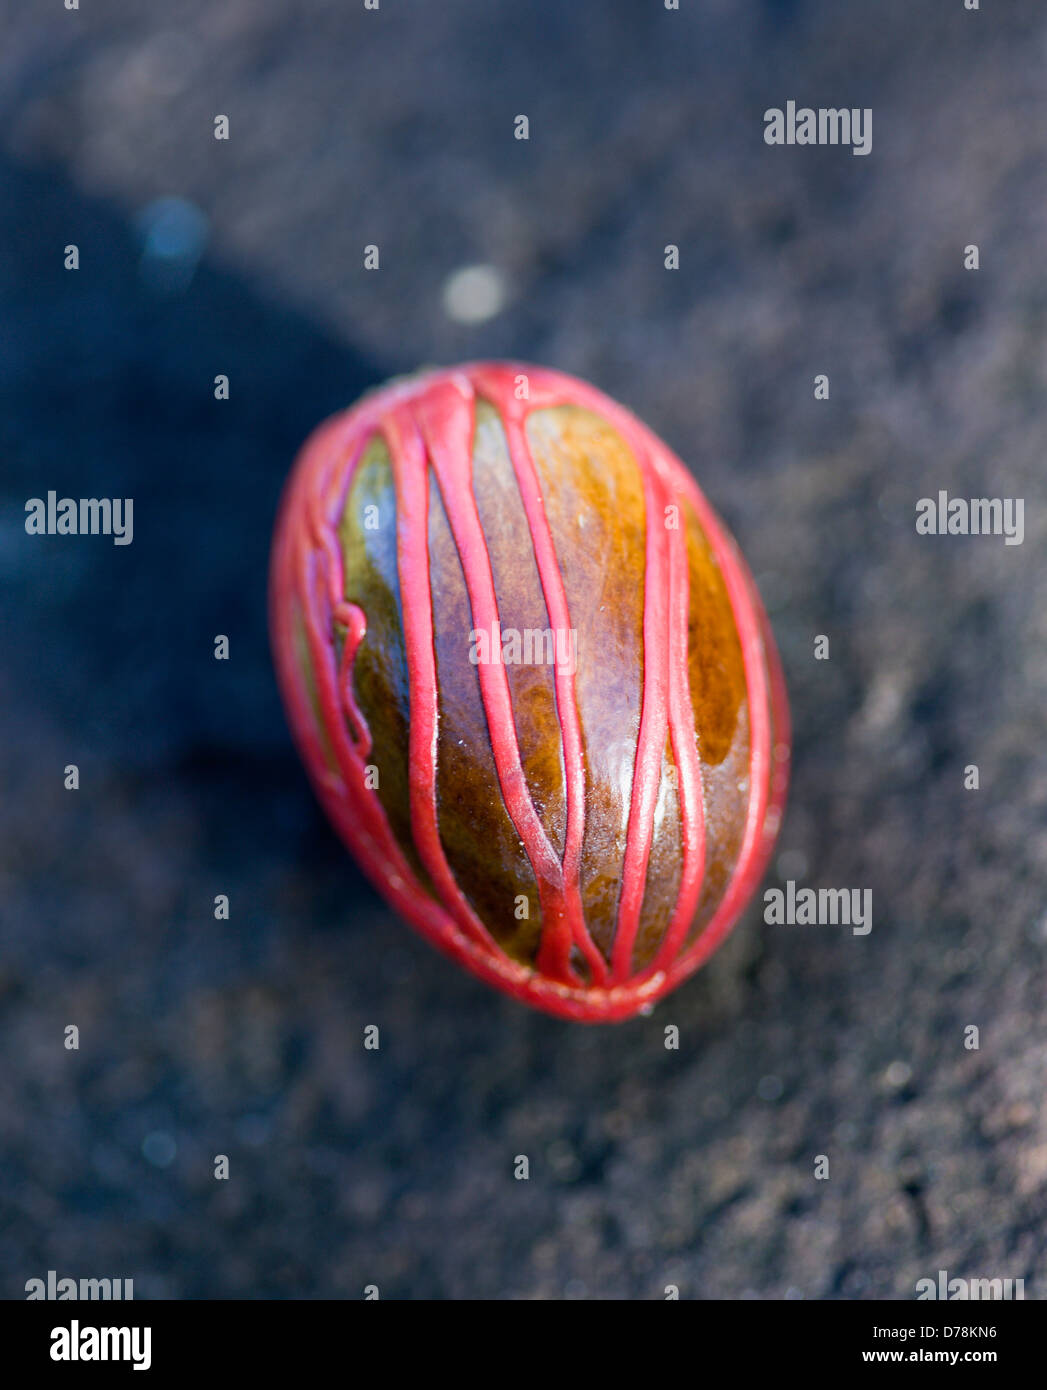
(245, 257)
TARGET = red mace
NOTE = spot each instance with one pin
(532, 682)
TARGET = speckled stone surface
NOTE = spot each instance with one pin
(201, 1037)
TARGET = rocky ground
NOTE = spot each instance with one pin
(244, 1038)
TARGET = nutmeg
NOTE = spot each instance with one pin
(532, 682)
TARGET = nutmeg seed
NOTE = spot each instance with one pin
(532, 682)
